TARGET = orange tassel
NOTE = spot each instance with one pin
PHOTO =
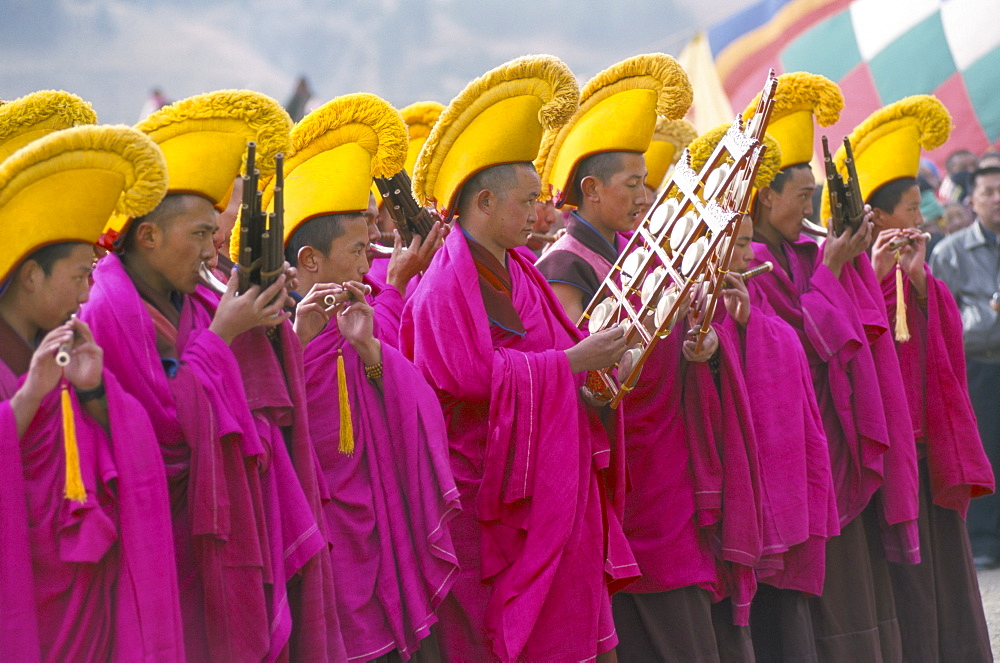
(346, 427)
(902, 330)
(74, 489)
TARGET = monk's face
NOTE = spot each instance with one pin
(58, 295)
(621, 201)
(182, 242)
(792, 204)
(371, 221)
(650, 198)
(906, 213)
(743, 248)
(347, 259)
(545, 216)
(512, 221)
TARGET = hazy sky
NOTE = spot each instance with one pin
(112, 52)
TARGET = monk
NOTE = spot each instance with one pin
(393, 494)
(940, 607)
(539, 540)
(178, 362)
(825, 293)
(86, 568)
(798, 506)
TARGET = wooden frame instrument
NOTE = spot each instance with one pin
(679, 255)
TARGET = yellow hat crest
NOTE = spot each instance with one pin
(63, 187)
(887, 144)
(420, 118)
(204, 139)
(669, 140)
(38, 114)
(618, 111)
(336, 151)
(800, 97)
(704, 145)
(498, 118)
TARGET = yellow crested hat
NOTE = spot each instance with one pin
(498, 118)
(887, 145)
(799, 98)
(204, 139)
(669, 140)
(63, 187)
(702, 147)
(38, 114)
(336, 151)
(420, 118)
(618, 111)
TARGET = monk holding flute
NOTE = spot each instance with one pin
(86, 565)
(938, 601)
(375, 423)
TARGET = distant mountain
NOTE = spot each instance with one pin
(112, 52)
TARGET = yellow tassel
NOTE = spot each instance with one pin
(346, 427)
(902, 330)
(74, 478)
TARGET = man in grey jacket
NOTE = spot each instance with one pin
(968, 261)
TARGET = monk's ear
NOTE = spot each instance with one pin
(765, 197)
(485, 200)
(148, 235)
(590, 188)
(308, 259)
(30, 276)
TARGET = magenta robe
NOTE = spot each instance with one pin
(377, 275)
(393, 498)
(85, 581)
(539, 540)
(209, 442)
(293, 493)
(933, 366)
(843, 329)
(388, 305)
(799, 508)
(726, 468)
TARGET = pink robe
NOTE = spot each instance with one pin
(799, 509)
(843, 329)
(293, 493)
(211, 448)
(388, 305)
(539, 541)
(726, 469)
(85, 581)
(933, 366)
(393, 498)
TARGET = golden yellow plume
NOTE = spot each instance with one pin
(34, 115)
(498, 118)
(618, 113)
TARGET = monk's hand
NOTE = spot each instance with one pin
(708, 346)
(737, 298)
(313, 313)
(254, 308)
(884, 258)
(44, 373)
(355, 320)
(291, 283)
(912, 258)
(86, 364)
(600, 350)
(404, 265)
(840, 250)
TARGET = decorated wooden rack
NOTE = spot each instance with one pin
(677, 259)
